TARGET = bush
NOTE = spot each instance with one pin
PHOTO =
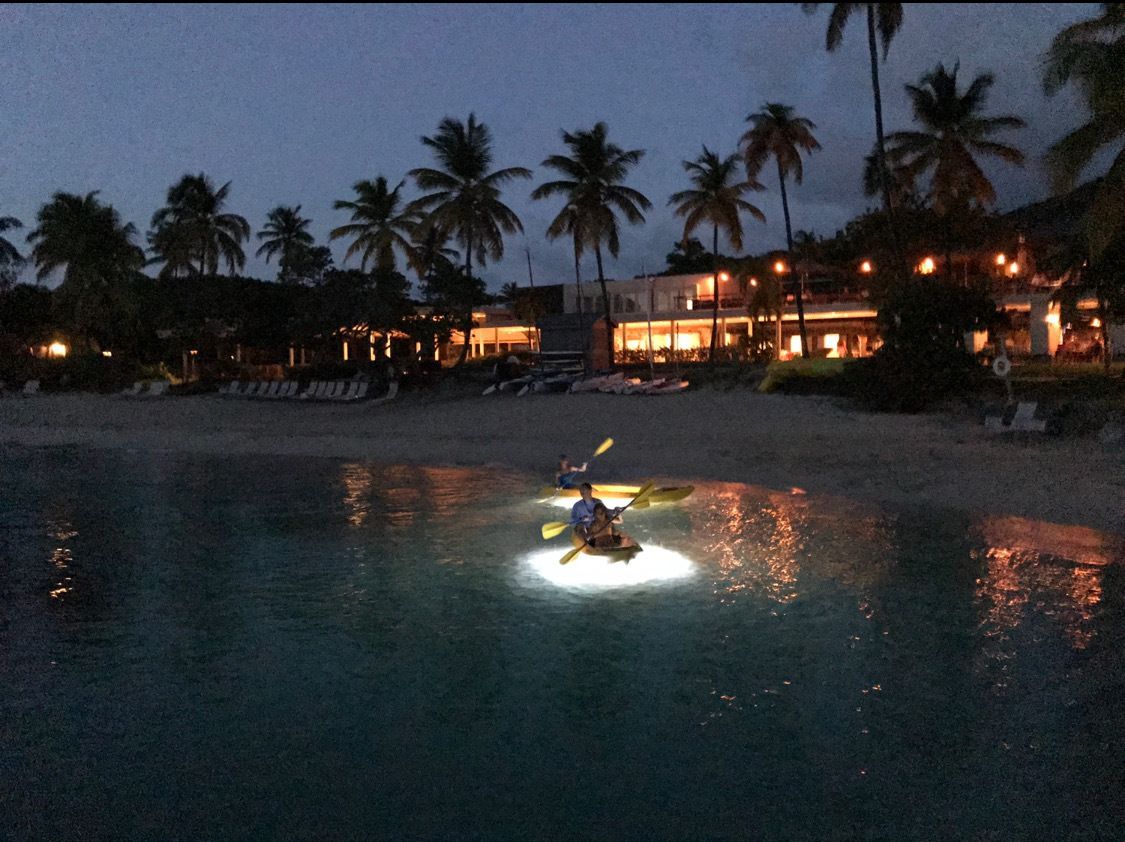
(896, 382)
(82, 372)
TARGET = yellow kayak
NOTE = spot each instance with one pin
(671, 494)
(625, 551)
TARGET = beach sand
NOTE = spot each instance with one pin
(779, 442)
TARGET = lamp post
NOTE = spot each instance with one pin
(779, 269)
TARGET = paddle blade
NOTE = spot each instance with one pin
(603, 447)
(644, 493)
(569, 557)
(550, 530)
(489, 390)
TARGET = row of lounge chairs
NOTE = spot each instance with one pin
(30, 387)
(156, 389)
(318, 390)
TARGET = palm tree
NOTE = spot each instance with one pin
(594, 186)
(285, 234)
(378, 225)
(191, 234)
(954, 131)
(465, 198)
(571, 222)
(776, 132)
(10, 258)
(884, 19)
(1091, 56)
(95, 251)
(716, 199)
(901, 186)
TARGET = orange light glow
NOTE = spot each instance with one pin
(57, 350)
(866, 268)
(107, 353)
(1001, 259)
(780, 268)
(1052, 319)
(724, 276)
(927, 266)
(1013, 268)
(1096, 323)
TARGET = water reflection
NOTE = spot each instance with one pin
(61, 530)
(1049, 570)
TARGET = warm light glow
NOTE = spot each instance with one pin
(831, 340)
(753, 282)
(866, 268)
(1001, 259)
(795, 343)
(107, 353)
(1096, 323)
(1013, 268)
(724, 276)
(194, 352)
(653, 566)
(57, 350)
(927, 266)
(780, 268)
(1052, 319)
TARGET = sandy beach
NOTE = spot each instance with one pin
(779, 442)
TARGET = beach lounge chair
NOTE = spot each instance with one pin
(31, 387)
(230, 388)
(1022, 420)
(321, 390)
(360, 391)
(310, 390)
(333, 389)
(132, 391)
(289, 390)
(271, 389)
(157, 389)
(347, 392)
(392, 393)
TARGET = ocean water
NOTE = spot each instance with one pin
(213, 648)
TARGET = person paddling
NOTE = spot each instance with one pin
(565, 475)
(584, 512)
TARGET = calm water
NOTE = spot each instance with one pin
(305, 648)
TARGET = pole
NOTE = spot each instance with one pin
(651, 303)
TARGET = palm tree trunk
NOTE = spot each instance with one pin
(578, 289)
(792, 268)
(884, 176)
(605, 305)
(1103, 316)
(467, 324)
(714, 290)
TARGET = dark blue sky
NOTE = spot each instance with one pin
(294, 104)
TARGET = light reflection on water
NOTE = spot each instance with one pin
(350, 623)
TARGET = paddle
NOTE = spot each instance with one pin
(558, 527)
(643, 494)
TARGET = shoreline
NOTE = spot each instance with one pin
(772, 441)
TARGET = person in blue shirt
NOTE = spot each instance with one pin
(582, 513)
(564, 476)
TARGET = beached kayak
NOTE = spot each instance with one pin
(625, 551)
(671, 494)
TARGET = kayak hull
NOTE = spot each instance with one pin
(626, 552)
(671, 494)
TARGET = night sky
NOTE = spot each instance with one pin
(294, 104)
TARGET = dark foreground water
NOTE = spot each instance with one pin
(210, 648)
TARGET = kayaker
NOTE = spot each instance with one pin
(582, 512)
(564, 476)
(601, 531)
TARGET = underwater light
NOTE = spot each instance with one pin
(653, 566)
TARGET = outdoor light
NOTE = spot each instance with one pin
(1001, 259)
(724, 276)
(1013, 268)
(780, 267)
(193, 352)
(927, 266)
(56, 350)
(865, 267)
(753, 282)
(107, 353)
(1052, 319)
(1095, 323)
